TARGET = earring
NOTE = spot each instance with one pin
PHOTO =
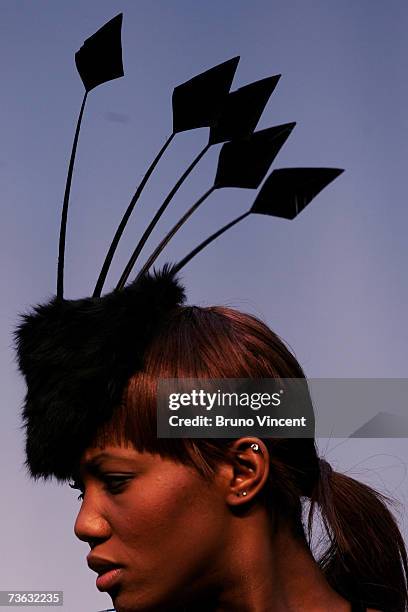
(255, 447)
(242, 494)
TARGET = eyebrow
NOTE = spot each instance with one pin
(94, 463)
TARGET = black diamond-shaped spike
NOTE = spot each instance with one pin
(244, 163)
(242, 110)
(100, 57)
(287, 191)
(198, 102)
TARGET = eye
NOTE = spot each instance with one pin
(115, 483)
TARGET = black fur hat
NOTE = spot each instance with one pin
(76, 357)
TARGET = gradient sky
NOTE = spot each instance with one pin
(332, 283)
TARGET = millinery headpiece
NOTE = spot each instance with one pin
(77, 355)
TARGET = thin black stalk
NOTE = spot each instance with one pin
(111, 252)
(207, 241)
(171, 233)
(64, 215)
(155, 219)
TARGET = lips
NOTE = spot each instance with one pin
(109, 572)
(108, 580)
(101, 565)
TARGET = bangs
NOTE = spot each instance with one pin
(134, 424)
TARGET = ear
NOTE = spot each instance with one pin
(246, 475)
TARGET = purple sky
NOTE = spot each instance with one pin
(332, 283)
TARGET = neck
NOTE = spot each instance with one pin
(271, 572)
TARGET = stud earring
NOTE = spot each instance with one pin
(242, 494)
(255, 447)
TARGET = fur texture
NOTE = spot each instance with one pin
(76, 357)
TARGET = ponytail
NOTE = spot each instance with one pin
(366, 559)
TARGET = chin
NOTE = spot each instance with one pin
(124, 601)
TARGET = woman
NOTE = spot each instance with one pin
(216, 525)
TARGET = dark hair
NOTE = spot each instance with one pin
(366, 559)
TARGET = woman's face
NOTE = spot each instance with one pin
(159, 521)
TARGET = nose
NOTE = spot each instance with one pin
(91, 525)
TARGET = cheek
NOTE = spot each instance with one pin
(178, 518)
(170, 530)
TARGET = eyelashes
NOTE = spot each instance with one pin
(75, 485)
(113, 484)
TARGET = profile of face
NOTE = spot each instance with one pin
(159, 523)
